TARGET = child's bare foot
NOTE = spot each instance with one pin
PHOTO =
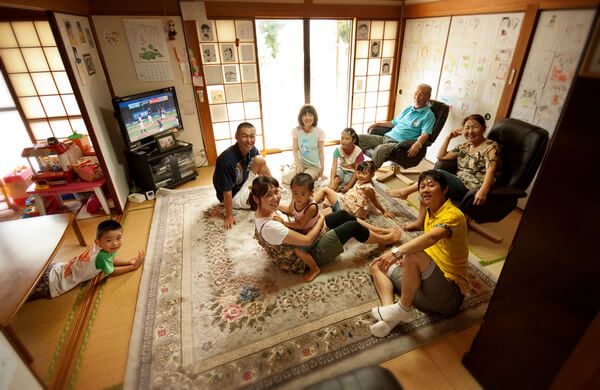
(413, 226)
(311, 275)
(398, 193)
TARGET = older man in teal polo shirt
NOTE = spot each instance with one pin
(415, 123)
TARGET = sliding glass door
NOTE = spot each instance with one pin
(284, 47)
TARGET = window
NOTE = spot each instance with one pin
(37, 75)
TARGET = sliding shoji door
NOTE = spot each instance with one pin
(228, 55)
(555, 52)
(373, 66)
(475, 69)
(422, 55)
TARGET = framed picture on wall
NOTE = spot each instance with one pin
(247, 52)
(228, 52)
(386, 66)
(375, 49)
(362, 31)
(249, 73)
(89, 64)
(231, 74)
(206, 31)
(244, 30)
(209, 53)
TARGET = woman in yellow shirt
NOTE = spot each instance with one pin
(429, 271)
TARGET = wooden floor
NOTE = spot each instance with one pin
(101, 364)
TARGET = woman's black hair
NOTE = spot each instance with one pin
(260, 186)
(352, 133)
(368, 166)
(303, 180)
(311, 110)
(477, 118)
(436, 176)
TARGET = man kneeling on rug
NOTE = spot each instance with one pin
(235, 170)
(430, 271)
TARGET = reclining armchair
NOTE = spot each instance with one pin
(523, 146)
(398, 155)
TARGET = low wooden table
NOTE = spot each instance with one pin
(71, 188)
(27, 247)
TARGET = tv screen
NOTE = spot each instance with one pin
(145, 115)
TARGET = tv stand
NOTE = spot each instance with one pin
(151, 169)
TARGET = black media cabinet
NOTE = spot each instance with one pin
(151, 169)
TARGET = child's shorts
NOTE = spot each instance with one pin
(345, 176)
(42, 289)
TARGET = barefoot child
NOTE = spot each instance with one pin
(345, 160)
(356, 200)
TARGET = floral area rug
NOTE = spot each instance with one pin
(214, 312)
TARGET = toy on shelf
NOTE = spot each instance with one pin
(16, 183)
(55, 161)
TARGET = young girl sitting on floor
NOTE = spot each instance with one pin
(307, 141)
(345, 160)
(356, 200)
(302, 208)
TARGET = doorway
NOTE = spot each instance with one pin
(295, 69)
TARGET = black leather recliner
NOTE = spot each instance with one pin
(398, 155)
(523, 147)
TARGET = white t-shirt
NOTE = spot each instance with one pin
(273, 232)
(308, 146)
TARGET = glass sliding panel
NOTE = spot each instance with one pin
(329, 73)
(281, 66)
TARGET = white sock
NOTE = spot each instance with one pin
(390, 313)
(380, 329)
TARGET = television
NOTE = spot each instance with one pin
(145, 115)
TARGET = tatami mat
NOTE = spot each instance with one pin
(104, 357)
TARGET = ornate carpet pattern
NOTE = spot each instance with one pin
(213, 311)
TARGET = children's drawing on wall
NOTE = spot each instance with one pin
(228, 52)
(503, 55)
(501, 71)
(205, 31)
(216, 96)
(492, 92)
(80, 66)
(112, 37)
(552, 100)
(424, 53)
(466, 64)
(508, 30)
(80, 30)
(427, 32)
(375, 49)
(386, 66)
(244, 30)
(209, 53)
(70, 34)
(481, 67)
(575, 34)
(472, 30)
(469, 89)
(88, 34)
(457, 29)
(450, 63)
(447, 87)
(562, 68)
(362, 31)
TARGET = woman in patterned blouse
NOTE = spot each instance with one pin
(478, 162)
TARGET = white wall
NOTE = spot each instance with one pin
(124, 80)
(98, 104)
